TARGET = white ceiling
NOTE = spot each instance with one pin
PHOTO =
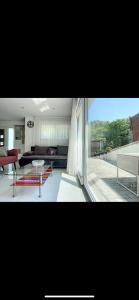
(18, 108)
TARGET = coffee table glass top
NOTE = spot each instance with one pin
(29, 169)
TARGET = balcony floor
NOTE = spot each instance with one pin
(102, 180)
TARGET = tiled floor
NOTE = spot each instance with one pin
(60, 187)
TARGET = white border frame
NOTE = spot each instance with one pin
(70, 296)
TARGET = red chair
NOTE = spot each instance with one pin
(11, 158)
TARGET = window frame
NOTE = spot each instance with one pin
(91, 194)
(81, 106)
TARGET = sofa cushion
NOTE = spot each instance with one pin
(62, 150)
(7, 160)
(40, 150)
(12, 152)
(28, 153)
(3, 152)
(35, 157)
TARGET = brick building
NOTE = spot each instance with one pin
(135, 127)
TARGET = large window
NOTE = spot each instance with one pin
(112, 128)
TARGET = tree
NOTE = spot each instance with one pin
(118, 133)
(113, 134)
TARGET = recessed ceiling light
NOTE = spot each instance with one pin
(44, 108)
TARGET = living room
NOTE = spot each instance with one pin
(35, 134)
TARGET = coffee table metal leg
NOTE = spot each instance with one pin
(14, 183)
(40, 192)
(51, 168)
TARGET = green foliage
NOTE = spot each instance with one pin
(118, 132)
(99, 130)
(114, 134)
(108, 149)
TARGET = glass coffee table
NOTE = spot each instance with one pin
(29, 171)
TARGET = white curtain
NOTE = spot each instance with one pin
(72, 153)
(51, 132)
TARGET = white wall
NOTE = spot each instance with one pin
(29, 134)
(130, 148)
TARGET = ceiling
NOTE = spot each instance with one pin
(19, 108)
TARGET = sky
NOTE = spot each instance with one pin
(109, 109)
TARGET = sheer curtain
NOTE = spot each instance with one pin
(72, 153)
(51, 132)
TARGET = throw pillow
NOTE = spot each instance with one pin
(40, 150)
(3, 152)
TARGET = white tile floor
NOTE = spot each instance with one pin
(60, 187)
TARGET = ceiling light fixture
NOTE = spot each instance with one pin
(44, 108)
(39, 100)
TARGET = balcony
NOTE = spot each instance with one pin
(102, 180)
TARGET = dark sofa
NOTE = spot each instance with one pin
(56, 154)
